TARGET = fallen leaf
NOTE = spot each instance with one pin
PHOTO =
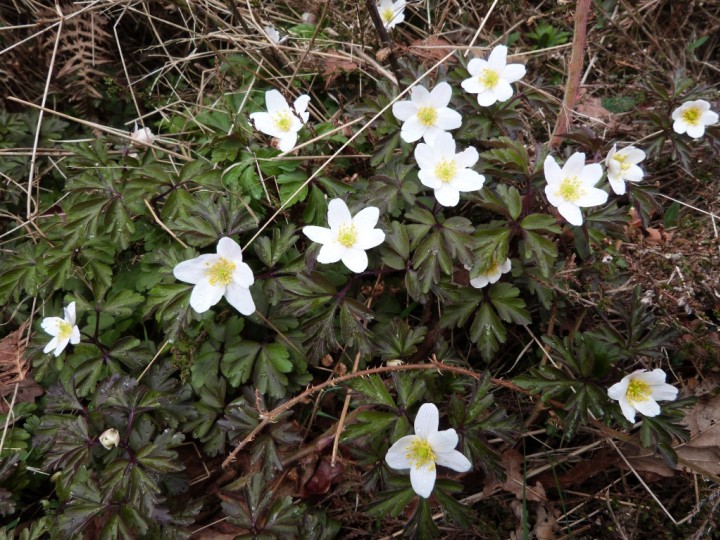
(432, 49)
(325, 473)
(514, 483)
(14, 371)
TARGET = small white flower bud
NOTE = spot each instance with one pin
(142, 136)
(110, 438)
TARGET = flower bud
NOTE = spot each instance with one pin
(110, 438)
(142, 136)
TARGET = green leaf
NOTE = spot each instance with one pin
(487, 331)
(369, 423)
(374, 387)
(506, 300)
(511, 198)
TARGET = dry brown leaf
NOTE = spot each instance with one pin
(14, 371)
(702, 451)
(592, 107)
(545, 524)
(432, 49)
(511, 462)
(334, 67)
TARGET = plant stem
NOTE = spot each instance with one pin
(385, 38)
(564, 119)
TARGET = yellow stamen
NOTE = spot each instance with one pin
(571, 189)
(421, 455)
(387, 15)
(446, 170)
(282, 120)
(221, 272)
(489, 78)
(622, 160)
(347, 235)
(638, 390)
(427, 116)
(692, 116)
(64, 330)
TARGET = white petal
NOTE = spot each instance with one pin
(649, 407)
(593, 197)
(498, 58)
(204, 295)
(75, 339)
(571, 212)
(370, 239)
(423, 481)
(264, 123)
(468, 180)
(574, 165)
(51, 345)
(696, 131)
(502, 90)
(468, 157)
(656, 376)
(70, 313)
(321, 235)
(427, 420)
(709, 118)
(479, 282)
(553, 172)
(52, 325)
(412, 130)
(550, 193)
(240, 298)
(287, 141)
(664, 392)
(229, 249)
(396, 457)
(402, 110)
(513, 72)
(634, 155)
(475, 66)
(424, 156)
(331, 253)
(301, 104)
(448, 119)
(590, 174)
(634, 174)
(443, 441)
(60, 346)
(441, 95)
(506, 266)
(275, 101)
(486, 98)
(446, 195)
(355, 259)
(420, 96)
(472, 86)
(627, 410)
(454, 460)
(444, 145)
(428, 178)
(193, 270)
(243, 275)
(618, 186)
(366, 218)
(679, 126)
(338, 213)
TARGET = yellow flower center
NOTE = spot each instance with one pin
(571, 189)
(347, 235)
(446, 170)
(622, 160)
(638, 390)
(421, 455)
(692, 116)
(427, 116)
(220, 272)
(283, 120)
(64, 330)
(489, 78)
(387, 15)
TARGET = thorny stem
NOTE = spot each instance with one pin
(385, 38)
(564, 119)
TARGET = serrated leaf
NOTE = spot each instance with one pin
(374, 387)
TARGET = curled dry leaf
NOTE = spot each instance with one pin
(514, 482)
(14, 370)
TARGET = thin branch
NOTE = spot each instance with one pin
(385, 38)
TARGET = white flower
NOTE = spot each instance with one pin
(640, 391)
(491, 78)
(141, 136)
(427, 448)
(348, 237)
(273, 35)
(216, 275)
(426, 115)
(63, 330)
(109, 438)
(572, 187)
(623, 166)
(692, 117)
(445, 171)
(279, 121)
(491, 274)
(391, 13)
